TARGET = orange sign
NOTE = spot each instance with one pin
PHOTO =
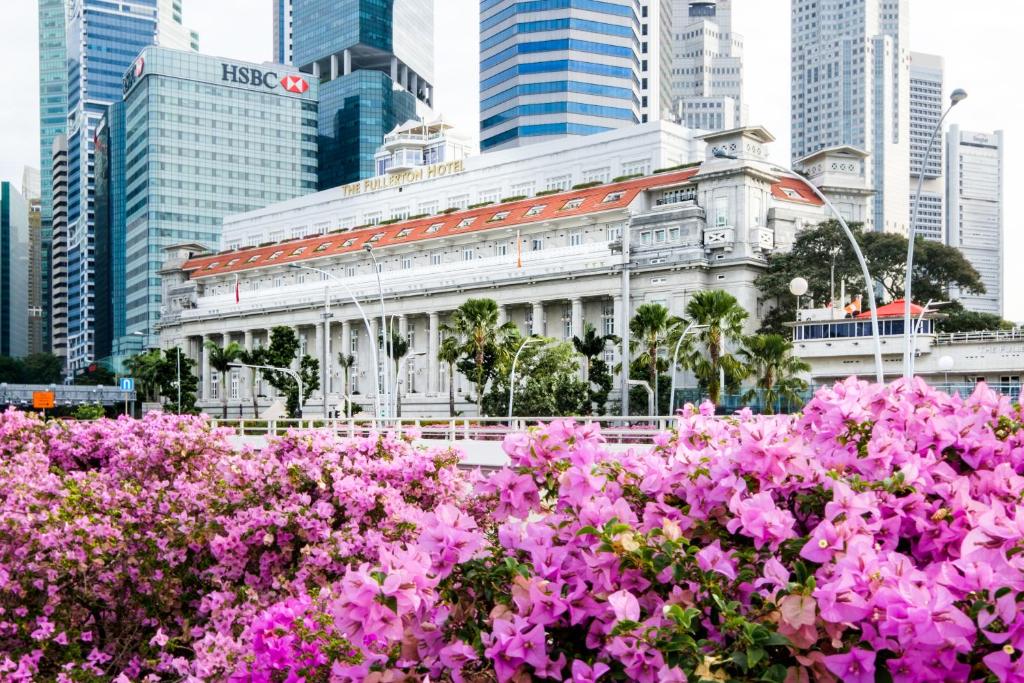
(42, 400)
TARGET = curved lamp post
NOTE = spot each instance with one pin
(675, 357)
(879, 374)
(512, 375)
(955, 98)
(384, 331)
(295, 375)
(366, 321)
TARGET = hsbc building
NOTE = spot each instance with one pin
(203, 137)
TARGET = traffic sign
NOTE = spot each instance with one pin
(43, 400)
(127, 384)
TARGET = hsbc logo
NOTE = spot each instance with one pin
(244, 75)
(295, 84)
(134, 74)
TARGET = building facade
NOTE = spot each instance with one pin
(477, 180)
(550, 70)
(208, 137)
(37, 320)
(53, 113)
(374, 62)
(707, 67)
(850, 85)
(552, 261)
(103, 40)
(59, 250)
(974, 211)
(14, 260)
(926, 103)
(282, 13)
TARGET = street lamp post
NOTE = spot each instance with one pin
(398, 377)
(675, 357)
(512, 375)
(384, 324)
(295, 375)
(366, 321)
(955, 98)
(868, 282)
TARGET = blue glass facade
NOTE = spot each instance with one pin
(550, 68)
(108, 317)
(103, 41)
(13, 272)
(53, 114)
(374, 61)
(204, 137)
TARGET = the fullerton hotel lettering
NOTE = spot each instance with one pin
(404, 178)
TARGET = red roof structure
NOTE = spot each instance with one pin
(893, 310)
(530, 211)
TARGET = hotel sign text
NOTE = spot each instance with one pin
(404, 178)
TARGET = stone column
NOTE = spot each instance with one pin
(538, 318)
(316, 70)
(577, 317)
(347, 61)
(345, 348)
(502, 314)
(318, 350)
(334, 67)
(433, 344)
(247, 373)
(394, 69)
(298, 351)
(205, 393)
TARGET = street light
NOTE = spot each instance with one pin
(362, 314)
(868, 282)
(385, 335)
(398, 377)
(946, 364)
(512, 375)
(957, 96)
(675, 357)
(798, 287)
(293, 373)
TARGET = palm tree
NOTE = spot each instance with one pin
(650, 327)
(720, 318)
(146, 368)
(346, 361)
(221, 359)
(449, 352)
(476, 321)
(590, 347)
(769, 357)
(398, 348)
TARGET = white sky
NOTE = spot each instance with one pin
(977, 39)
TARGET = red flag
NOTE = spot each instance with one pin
(237, 291)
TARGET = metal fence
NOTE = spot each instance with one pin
(64, 394)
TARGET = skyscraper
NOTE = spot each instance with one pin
(548, 70)
(926, 104)
(707, 68)
(30, 190)
(103, 40)
(244, 136)
(282, 31)
(53, 114)
(59, 250)
(850, 86)
(974, 210)
(374, 60)
(13, 272)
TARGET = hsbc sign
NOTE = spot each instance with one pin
(245, 75)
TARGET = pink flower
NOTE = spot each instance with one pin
(712, 559)
(625, 606)
(855, 666)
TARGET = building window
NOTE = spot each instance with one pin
(612, 197)
(404, 232)
(537, 244)
(466, 222)
(501, 249)
(534, 210)
(400, 214)
(572, 204)
(234, 385)
(459, 202)
(500, 216)
(350, 271)
(372, 218)
(608, 317)
(214, 384)
(434, 228)
(436, 258)
(575, 238)
(636, 168)
(468, 253)
(645, 237)
(490, 196)
(673, 234)
(353, 343)
(349, 242)
(721, 212)
(561, 182)
(377, 237)
(323, 247)
(567, 322)
(298, 251)
(254, 259)
(406, 262)
(615, 233)
(597, 175)
(659, 236)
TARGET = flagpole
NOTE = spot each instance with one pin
(519, 250)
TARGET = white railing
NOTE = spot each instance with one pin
(988, 336)
(633, 430)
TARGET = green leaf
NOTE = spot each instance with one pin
(754, 655)
(588, 531)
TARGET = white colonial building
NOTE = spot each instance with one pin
(552, 261)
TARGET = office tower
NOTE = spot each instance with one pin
(374, 60)
(103, 40)
(926, 103)
(53, 113)
(548, 70)
(59, 249)
(707, 71)
(974, 210)
(656, 59)
(282, 31)
(30, 190)
(13, 272)
(850, 77)
(208, 137)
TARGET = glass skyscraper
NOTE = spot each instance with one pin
(197, 138)
(551, 69)
(53, 114)
(13, 272)
(374, 60)
(103, 40)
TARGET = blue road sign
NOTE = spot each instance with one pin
(127, 384)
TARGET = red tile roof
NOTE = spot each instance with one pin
(797, 186)
(893, 310)
(519, 213)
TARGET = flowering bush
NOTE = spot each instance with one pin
(877, 536)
